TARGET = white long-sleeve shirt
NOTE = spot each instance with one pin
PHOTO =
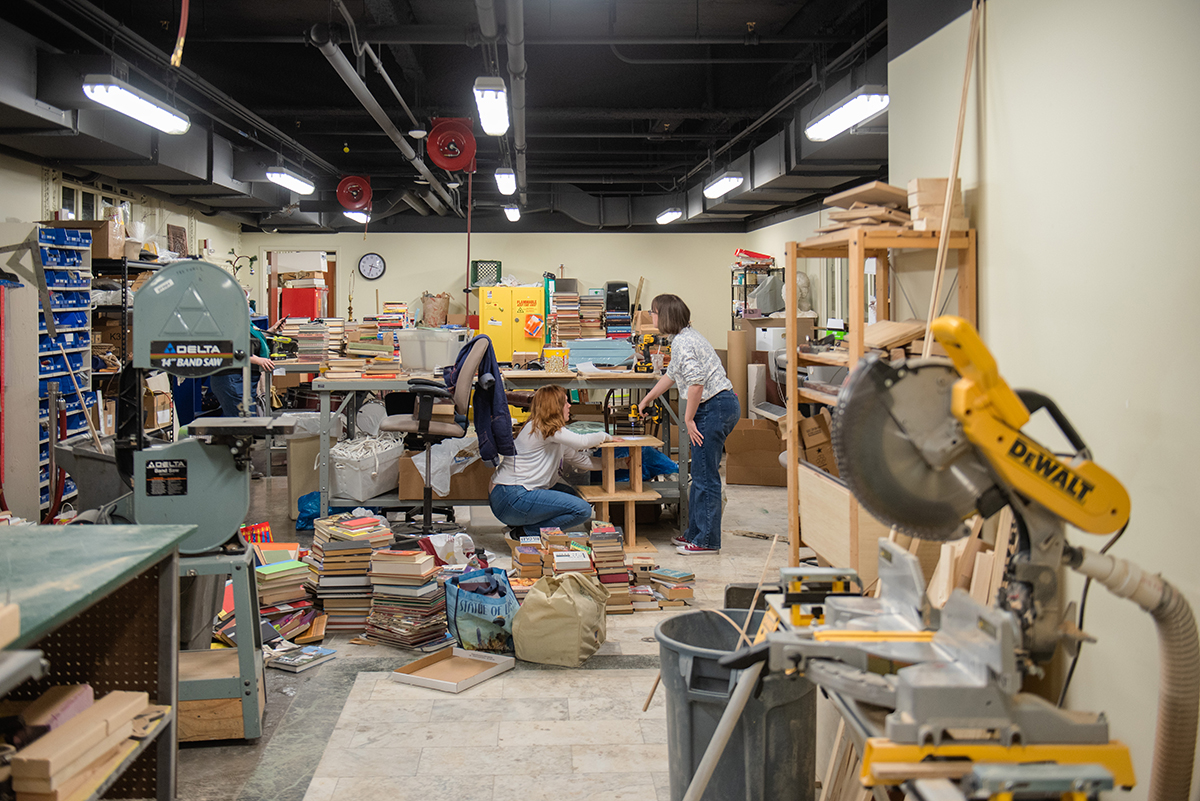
(536, 464)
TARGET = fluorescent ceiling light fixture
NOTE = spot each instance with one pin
(358, 216)
(722, 184)
(867, 102)
(290, 180)
(668, 216)
(513, 213)
(506, 181)
(492, 100)
(120, 96)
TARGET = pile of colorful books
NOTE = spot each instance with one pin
(408, 605)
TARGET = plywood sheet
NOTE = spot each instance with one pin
(825, 508)
(875, 192)
(891, 334)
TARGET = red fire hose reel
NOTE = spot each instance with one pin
(451, 144)
(354, 193)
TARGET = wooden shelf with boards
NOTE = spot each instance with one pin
(844, 537)
(629, 494)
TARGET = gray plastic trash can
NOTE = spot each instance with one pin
(770, 754)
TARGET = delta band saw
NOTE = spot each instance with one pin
(924, 444)
(191, 320)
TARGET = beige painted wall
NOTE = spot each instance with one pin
(1079, 173)
(693, 266)
(20, 191)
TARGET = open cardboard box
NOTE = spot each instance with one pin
(453, 669)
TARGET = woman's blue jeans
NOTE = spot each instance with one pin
(558, 507)
(715, 418)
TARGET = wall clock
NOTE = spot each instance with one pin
(371, 266)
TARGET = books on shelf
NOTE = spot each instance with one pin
(299, 661)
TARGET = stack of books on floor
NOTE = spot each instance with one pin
(608, 554)
(336, 327)
(573, 561)
(642, 598)
(591, 312)
(339, 562)
(281, 582)
(672, 587)
(339, 369)
(313, 340)
(527, 561)
(641, 565)
(566, 315)
(408, 605)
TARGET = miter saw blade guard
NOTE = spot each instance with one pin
(902, 452)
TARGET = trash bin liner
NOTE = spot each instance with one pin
(770, 755)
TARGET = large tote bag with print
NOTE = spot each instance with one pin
(480, 607)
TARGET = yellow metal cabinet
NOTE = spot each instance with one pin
(503, 313)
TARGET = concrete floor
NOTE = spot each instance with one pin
(323, 739)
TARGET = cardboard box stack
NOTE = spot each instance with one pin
(753, 449)
(339, 564)
(408, 605)
(817, 440)
(608, 554)
(927, 204)
(672, 587)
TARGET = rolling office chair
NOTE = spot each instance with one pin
(419, 427)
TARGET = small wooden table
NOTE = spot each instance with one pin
(628, 493)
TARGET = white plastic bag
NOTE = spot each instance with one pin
(364, 467)
(449, 457)
(453, 549)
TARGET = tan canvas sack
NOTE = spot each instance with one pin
(561, 621)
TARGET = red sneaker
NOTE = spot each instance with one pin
(680, 541)
(691, 549)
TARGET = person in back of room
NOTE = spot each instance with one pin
(711, 413)
(526, 491)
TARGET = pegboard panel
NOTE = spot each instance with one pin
(112, 645)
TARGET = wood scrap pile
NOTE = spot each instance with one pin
(927, 203)
(878, 206)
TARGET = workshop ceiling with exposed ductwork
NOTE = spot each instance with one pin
(619, 109)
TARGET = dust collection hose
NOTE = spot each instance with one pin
(1179, 671)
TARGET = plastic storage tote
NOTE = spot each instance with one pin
(769, 756)
(425, 350)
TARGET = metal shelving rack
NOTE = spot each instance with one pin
(742, 270)
(115, 268)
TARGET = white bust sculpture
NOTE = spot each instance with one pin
(803, 296)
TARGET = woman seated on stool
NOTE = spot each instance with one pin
(526, 492)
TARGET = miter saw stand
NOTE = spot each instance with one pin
(957, 706)
(191, 320)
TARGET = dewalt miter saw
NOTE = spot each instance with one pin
(925, 444)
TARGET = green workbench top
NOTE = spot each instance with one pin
(55, 572)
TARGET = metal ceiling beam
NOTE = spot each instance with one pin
(514, 38)
(455, 35)
(536, 114)
(322, 38)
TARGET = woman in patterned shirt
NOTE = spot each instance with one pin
(712, 412)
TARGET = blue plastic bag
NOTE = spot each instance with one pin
(480, 607)
(308, 509)
(654, 463)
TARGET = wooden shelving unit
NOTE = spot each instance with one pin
(856, 244)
